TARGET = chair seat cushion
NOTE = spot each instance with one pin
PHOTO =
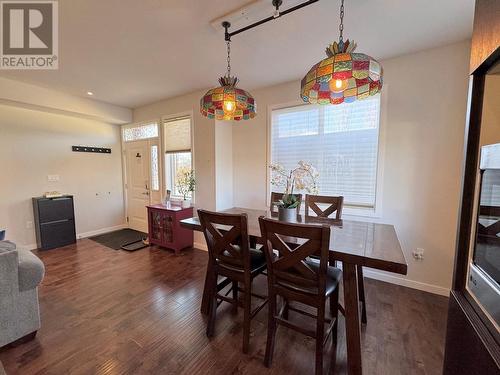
(257, 258)
(31, 270)
(333, 276)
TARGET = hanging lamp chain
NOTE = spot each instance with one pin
(341, 26)
(227, 80)
(228, 58)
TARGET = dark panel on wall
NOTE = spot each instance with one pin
(469, 354)
(486, 34)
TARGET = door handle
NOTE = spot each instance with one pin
(146, 193)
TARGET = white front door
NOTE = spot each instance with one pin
(138, 172)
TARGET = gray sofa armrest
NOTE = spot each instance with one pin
(31, 270)
(9, 278)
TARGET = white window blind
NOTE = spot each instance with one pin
(177, 141)
(490, 190)
(341, 141)
(177, 135)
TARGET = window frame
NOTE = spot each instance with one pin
(354, 212)
(139, 124)
(173, 117)
(168, 164)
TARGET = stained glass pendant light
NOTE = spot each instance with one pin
(227, 102)
(344, 76)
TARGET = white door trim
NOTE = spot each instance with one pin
(151, 141)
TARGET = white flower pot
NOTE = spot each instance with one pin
(186, 203)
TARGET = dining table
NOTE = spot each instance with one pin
(352, 243)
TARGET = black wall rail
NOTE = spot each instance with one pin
(280, 13)
(98, 150)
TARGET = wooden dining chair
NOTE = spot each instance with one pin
(335, 207)
(294, 276)
(275, 197)
(230, 256)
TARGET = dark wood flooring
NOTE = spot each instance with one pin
(115, 312)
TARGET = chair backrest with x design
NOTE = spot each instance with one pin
(335, 205)
(227, 238)
(292, 267)
(275, 197)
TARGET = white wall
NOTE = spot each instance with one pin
(423, 122)
(34, 144)
(224, 164)
(25, 94)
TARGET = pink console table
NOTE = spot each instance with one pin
(165, 229)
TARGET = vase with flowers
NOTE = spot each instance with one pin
(185, 183)
(304, 177)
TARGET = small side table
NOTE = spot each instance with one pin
(165, 229)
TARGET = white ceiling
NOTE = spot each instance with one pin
(133, 52)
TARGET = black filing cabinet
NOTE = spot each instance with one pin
(54, 221)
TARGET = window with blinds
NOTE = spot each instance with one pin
(177, 146)
(341, 141)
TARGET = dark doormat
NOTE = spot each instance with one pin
(119, 238)
(138, 245)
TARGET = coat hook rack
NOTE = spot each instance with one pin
(98, 150)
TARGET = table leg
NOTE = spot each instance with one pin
(352, 323)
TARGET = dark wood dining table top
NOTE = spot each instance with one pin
(362, 243)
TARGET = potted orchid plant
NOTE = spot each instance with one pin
(303, 177)
(185, 183)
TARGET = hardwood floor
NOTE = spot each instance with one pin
(114, 312)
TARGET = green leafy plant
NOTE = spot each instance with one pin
(289, 201)
(185, 181)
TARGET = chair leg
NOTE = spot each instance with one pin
(235, 297)
(246, 315)
(361, 288)
(271, 330)
(286, 308)
(320, 334)
(253, 242)
(333, 305)
(335, 315)
(212, 304)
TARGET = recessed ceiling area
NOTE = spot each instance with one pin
(131, 53)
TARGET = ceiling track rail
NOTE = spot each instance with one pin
(279, 14)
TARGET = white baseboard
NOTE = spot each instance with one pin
(79, 236)
(29, 247)
(200, 245)
(393, 279)
(377, 275)
(367, 272)
(101, 231)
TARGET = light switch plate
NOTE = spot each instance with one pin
(53, 177)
